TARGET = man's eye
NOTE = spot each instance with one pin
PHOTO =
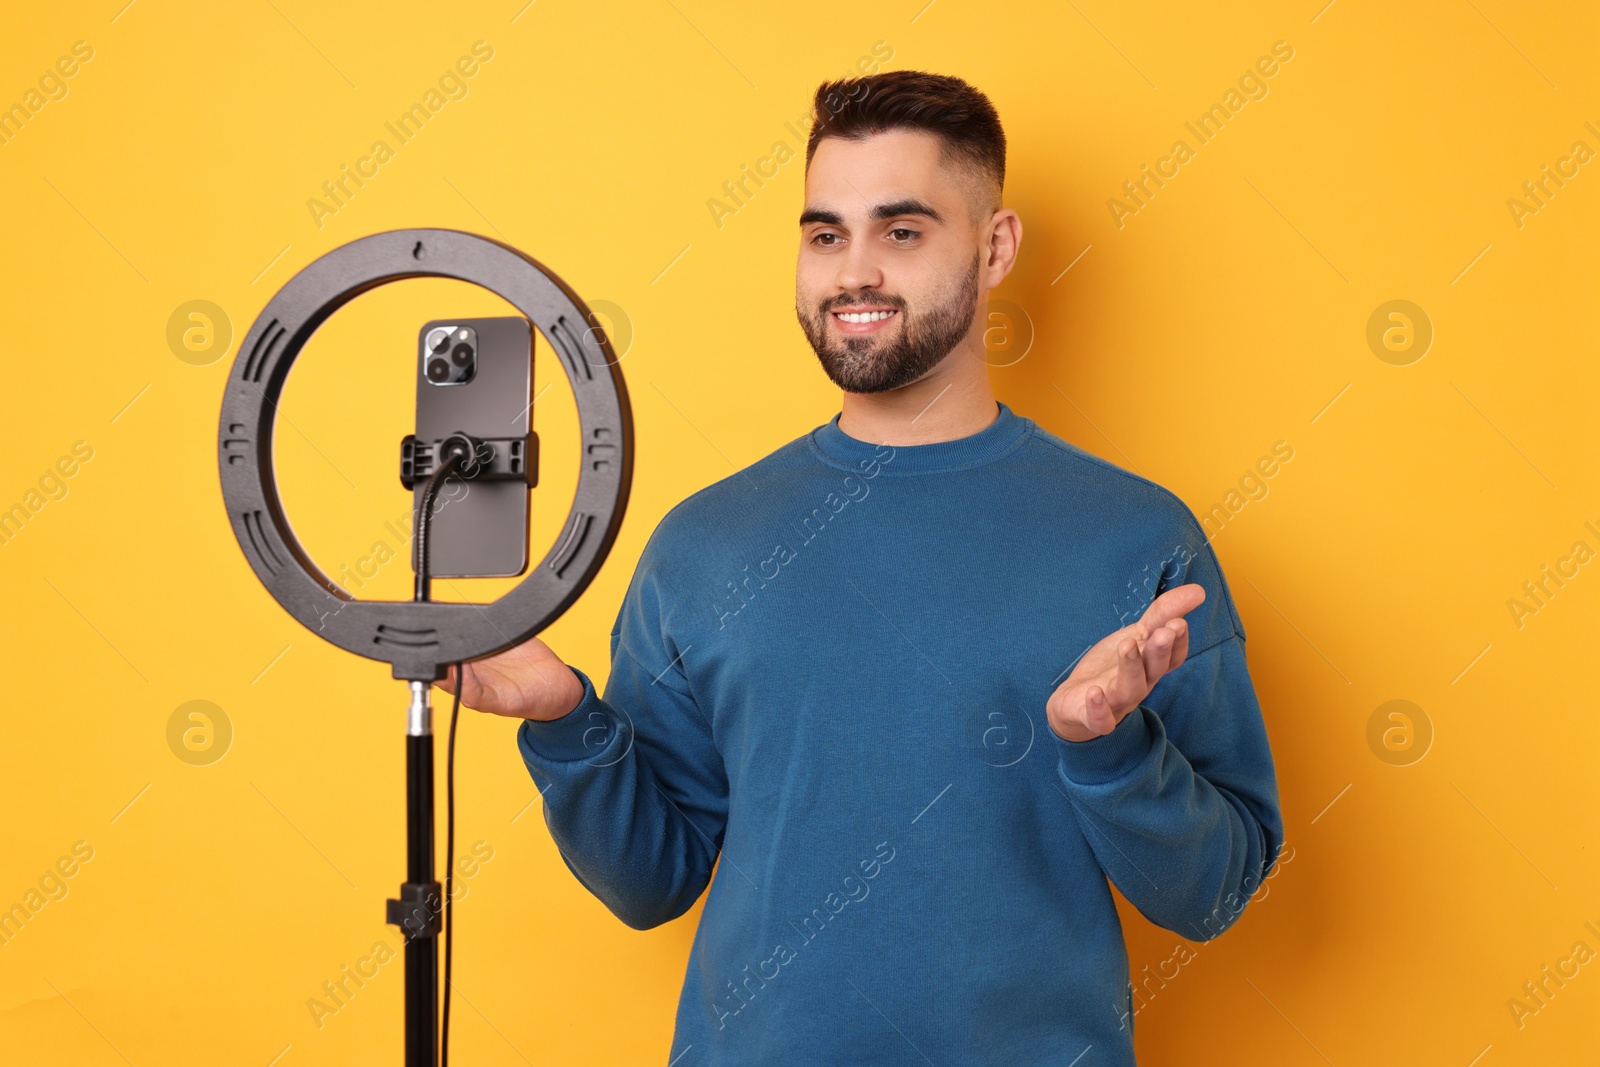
(910, 234)
(818, 239)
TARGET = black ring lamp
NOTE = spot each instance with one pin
(421, 638)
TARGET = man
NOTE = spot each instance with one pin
(923, 678)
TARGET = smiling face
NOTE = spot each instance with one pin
(889, 273)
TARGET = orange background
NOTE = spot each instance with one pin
(1440, 860)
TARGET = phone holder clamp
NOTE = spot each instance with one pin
(495, 459)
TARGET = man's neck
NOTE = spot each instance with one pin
(942, 406)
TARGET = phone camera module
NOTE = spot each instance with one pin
(450, 355)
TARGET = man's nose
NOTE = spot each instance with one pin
(859, 269)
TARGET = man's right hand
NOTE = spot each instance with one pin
(525, 682)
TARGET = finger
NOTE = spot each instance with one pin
(448, 682)
(1097, 713)
(1158, 653)
(1173, 604)
(1130, 686)
(480, 689)
(471, 694)
(1180, 643)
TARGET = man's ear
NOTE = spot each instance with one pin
(1003, 238)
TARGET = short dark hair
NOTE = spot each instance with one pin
(961, 116)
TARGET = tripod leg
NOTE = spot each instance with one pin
(421, 902)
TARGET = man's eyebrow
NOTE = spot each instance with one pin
(893, 209)
(908, 206)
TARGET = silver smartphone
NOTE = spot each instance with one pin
(475, 376)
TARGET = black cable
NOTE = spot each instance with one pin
(450, 869)
(419, 558)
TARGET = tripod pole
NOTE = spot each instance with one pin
(421, 902)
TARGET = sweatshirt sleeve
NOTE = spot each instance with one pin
(635, 791)
(1180, 801)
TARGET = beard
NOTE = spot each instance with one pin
(868, 363)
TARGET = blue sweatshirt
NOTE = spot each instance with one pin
(828, 683)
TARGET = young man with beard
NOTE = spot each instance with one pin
(922, 679)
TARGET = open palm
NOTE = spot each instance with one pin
(1113, 677)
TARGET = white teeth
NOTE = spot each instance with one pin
(871, 316)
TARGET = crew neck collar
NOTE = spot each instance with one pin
(839, 449)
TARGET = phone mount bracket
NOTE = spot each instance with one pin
(500, 459)
(420, 639)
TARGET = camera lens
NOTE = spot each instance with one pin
(438, 370)
(462, 354)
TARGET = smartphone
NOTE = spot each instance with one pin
(475, 376)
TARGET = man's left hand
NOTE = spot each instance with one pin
(1117, 674)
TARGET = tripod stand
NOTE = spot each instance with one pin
(420, 638)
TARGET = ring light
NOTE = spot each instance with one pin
(420, 639)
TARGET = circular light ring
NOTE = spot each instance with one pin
(420, 639)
